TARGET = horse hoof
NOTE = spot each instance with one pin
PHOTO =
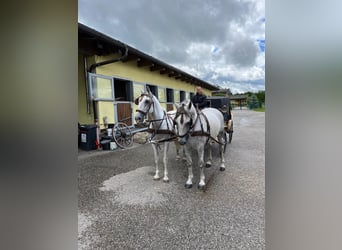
(222, 169)
(156, 178)
(201, 187)
(207, 165)
(188, 185)
(166, 180)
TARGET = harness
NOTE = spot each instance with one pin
(191, 131)
(156, 130)
(153, 129)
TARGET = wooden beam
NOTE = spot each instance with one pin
(172, 74)
(194, 81)
(164, 71)
(143, 63)
(130, 57)
(155, 67)
(183, 78)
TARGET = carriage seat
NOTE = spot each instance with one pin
(227, 115)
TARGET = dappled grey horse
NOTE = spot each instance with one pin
(195, 130)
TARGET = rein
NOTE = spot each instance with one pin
(155, 131)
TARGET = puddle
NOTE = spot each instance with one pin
(137, 188)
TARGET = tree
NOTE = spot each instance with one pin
(261, 96)
(253, 101)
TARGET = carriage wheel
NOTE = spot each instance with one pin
(231, 133)
(122, 135)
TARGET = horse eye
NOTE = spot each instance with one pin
(147, 101)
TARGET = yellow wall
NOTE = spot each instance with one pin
(128, 71)
(105, 109)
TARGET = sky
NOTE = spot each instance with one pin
(219, 41)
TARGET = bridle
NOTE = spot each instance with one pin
(155, 129)
(150, 104)
(181, 112)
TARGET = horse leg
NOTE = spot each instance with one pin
(222, 141)
(156, 158)
(184, 155)
(166, 148)
(188, 183)
(209, 161)
(200, 151)
(178, 146)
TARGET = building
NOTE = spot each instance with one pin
(238, 101)
(112, 74)
(221, 92)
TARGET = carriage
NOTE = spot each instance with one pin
(223, 104)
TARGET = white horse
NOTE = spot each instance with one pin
(161, 127)
(195, 130)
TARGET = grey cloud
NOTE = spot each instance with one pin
(166, 29)
(172, 23)
(242, 53)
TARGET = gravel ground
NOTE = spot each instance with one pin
(121, 207)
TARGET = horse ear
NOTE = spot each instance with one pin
(136, 101)
(142, 91)
(148, 89)
(177, 105)
(189, 106)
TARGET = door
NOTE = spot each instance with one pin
(124, 112)
(123, 90)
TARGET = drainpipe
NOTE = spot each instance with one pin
(86, 84)
(93, 66)
(91, 70)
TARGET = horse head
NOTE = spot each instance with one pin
(184, 119)
(145, 104)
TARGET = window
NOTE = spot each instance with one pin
(137, 89)
(161, 95)
(101, 88)
(176, 96)
(123, 90)
(169, 95)
(154, 89)
(191, 95)
(182, 95)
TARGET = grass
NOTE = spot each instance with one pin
(260, 109)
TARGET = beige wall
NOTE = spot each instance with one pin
(128, 71)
